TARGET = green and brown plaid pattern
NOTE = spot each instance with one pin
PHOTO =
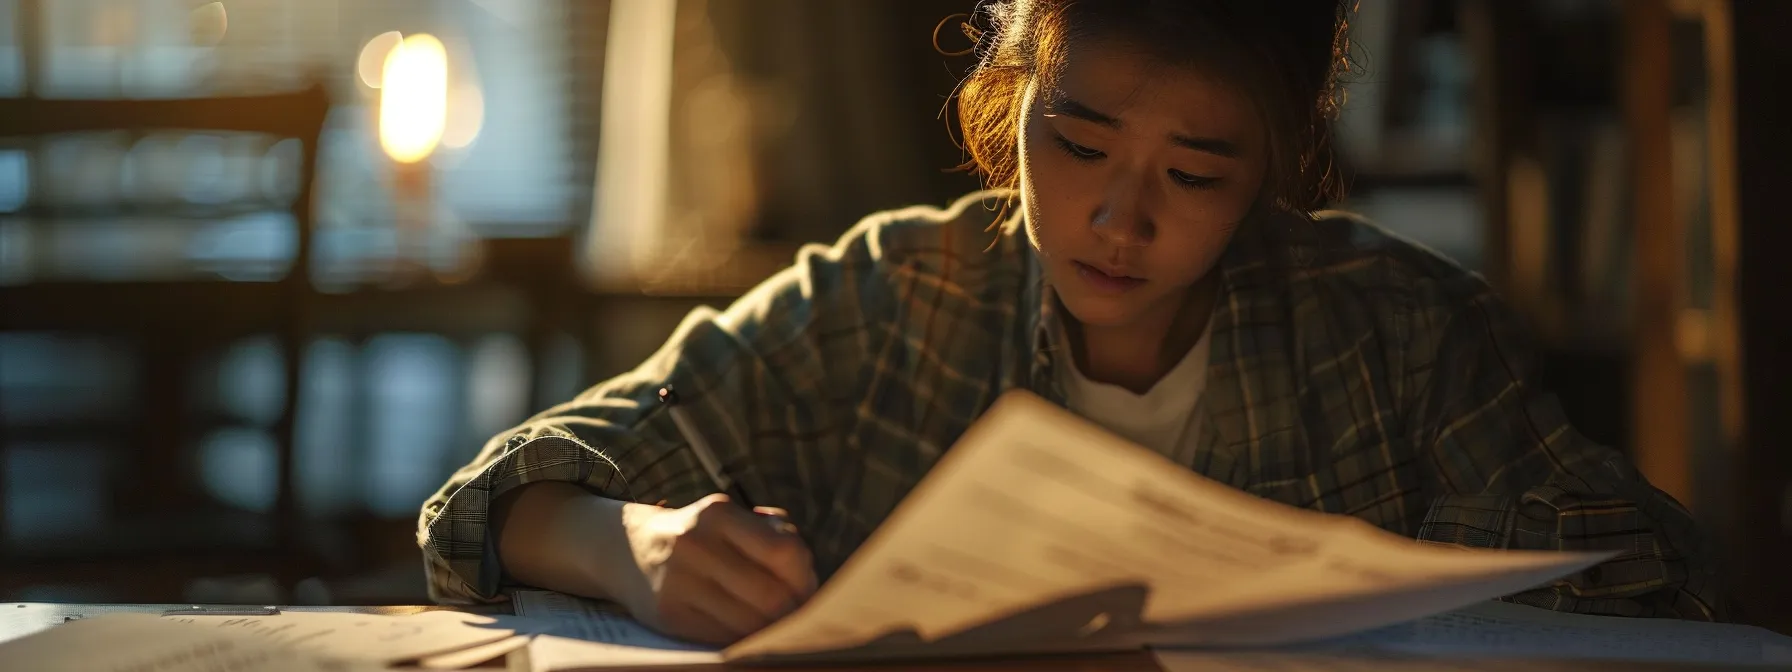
(1351, 372)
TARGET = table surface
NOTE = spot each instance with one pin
(18, 619)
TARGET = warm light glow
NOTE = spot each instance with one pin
(414, 98)
(634, 141)
(373, 57)
(208, 23)
(466, 114)
(114, 26)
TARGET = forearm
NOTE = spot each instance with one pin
(1663, 567)
(1510, 471)
(559, 536)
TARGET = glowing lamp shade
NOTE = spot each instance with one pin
(413, 98)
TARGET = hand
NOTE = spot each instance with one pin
(716, 572)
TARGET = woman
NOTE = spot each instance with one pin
(1153, 255)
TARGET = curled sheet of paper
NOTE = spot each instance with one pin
(1041, 532)
(1035, 505)
(146, 643)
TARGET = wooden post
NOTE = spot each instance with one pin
(1661, 435)
(1720, 133)
(1761, 68)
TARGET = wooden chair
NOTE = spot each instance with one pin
(162, 521)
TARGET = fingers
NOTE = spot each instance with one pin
(775, 546)
(686, 621)
(699, 607)
(732, 572)
(742, 594)
(735, 617)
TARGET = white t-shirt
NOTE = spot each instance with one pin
(1164, 418)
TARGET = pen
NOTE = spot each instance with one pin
(711, 464)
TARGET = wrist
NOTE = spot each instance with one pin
(614, 563)
(559, 536)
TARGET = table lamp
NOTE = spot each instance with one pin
(413, 111)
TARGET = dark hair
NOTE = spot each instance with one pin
(1286, 55)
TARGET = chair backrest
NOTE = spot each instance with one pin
(39, 125)
(295, 115)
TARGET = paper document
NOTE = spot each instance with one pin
(1498, 629)
(548, 653)
(465, 658)
(385, 639)
(146, 643)
(590, 620)
(1041, 532)
(1035, 505)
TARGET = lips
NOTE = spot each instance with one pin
(1105, 281)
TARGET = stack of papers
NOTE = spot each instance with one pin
(295, 641)
(1037, 533)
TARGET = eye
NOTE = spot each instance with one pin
(1077, 151)
(1193, 181)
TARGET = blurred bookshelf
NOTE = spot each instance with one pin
(1592, 157)
(1606, 157)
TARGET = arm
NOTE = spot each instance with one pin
(1512, 473)
(763, 379)
(556, 534)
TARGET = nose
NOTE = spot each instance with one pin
(1120, 220)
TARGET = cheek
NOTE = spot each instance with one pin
(1204, 225)
(1223, 214)
(1241, 194)
(1049, 190)
(1040, 165)
(1188, 246)
(1191, 248)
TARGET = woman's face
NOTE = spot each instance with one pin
(1134, 176)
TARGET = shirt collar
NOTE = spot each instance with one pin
(1035, 313)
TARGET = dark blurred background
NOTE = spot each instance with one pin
(271, 269)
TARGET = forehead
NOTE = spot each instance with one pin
(1140, 90)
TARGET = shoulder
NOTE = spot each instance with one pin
(933, 237)
(965, 249)
(1343, 284)
(1339, 273)
(892, 255)
(1423, 304)
(1385, 266)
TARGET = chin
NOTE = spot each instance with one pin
(1100, 311)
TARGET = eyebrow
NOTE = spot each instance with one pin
(1071, 108)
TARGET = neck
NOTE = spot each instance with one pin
(1137, 355)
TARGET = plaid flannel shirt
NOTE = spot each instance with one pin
(1351, 372)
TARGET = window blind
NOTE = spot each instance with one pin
(519, 69)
